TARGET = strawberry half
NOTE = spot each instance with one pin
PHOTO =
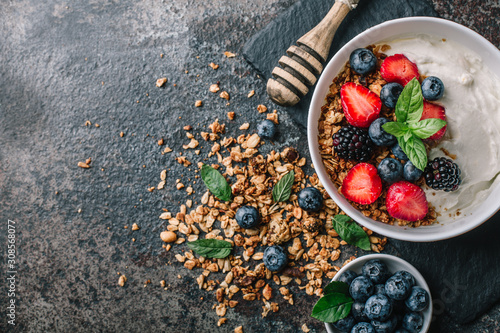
(362, 184)
(360, 105)
(434, 111)
(406, 201)
(398, 68)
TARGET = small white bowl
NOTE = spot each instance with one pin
(385, 31)
(394, 264)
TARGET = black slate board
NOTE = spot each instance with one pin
(265, 48)
(462, 272)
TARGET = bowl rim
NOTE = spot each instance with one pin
(392, 231)
(421, 282)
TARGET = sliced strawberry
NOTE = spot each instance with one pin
(361, 106)
(434, 111)
(398, 68)
(362, 184)
(406, 201)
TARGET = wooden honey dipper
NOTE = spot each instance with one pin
(305, 61)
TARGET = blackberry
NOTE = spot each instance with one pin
(442, 174)
(353, 143)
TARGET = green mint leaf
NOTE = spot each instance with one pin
(211, 248)
(415, 150)
(332, 307)
(408, 135)
(427, 127)
(395, 128)
(336, 287)
(351, 232)
(216, 183)
(410, 103)
(283, 188)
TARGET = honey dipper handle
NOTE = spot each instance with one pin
(303, 63)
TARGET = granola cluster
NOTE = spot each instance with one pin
(313, 246)
(332, 119)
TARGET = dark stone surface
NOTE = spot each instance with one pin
(269, 44)
(63, 63)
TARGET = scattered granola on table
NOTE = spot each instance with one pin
(312, 245)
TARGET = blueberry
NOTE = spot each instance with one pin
(266, 129)
(275, 258)
(411, 173)
(378, 307)
(387, 326)
(347, 277)
(390, 170)
(375, 270)
(398, 152)
(363, 327)
(310, 199)
(358, 311)
(362, 61)
(413, 322)
(345, 324)
(390, 94)
(247, 217)
(418, 299)
(379, 289)
(378, 135)
(432, 88)
(407, 275)
(397, 287)
(361, 288)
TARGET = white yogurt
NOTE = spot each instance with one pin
(472, 103)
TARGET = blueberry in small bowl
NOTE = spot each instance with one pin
(347, 277)
(378, 307)
(413, 322)
(361, 288)
(397, 287)
(376, 270)
(363, 327)
(418, 299)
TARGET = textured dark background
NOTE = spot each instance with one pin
(63, 63)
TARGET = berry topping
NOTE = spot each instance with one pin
(411, 173)
(398, 152)
(406, 201)
(432, 88)
(310, 199)
(275, 258)
(362, 61)
(434, 111)
(360, 105)
(398, 68)
(378, 135)
(247, 217)
(266, 129)
(353, 143)
(362, 184)
(442, 174)
(390, 94)
(390, 170)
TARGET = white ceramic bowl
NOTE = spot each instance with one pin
(394, 264)
(387, 30)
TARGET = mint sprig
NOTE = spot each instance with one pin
(408, 129)
(349, 231)
(335, 304)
